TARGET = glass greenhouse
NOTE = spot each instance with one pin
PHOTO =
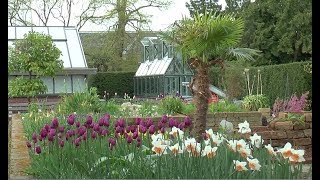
(72, 78)
(162, 71)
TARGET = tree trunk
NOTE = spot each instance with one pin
(201, 95)
(121, 28)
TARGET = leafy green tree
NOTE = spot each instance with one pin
(37, 56)
(202, 6)
(205, 40)
(281, 29)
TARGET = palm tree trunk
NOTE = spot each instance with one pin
(201, 95)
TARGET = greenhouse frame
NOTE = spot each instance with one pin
(75, 69)
(162, 70)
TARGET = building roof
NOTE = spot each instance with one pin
(65, 38)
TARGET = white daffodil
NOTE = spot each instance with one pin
(207, 142)
(244, 127)
(241, 144)
(240, 166)
(245, 152)
(192, 146)
(175, 149)
(256, 140)
(297, 156)
(270, 149)
(254, 164)
(209, 151)
(156, 137)
(209, 132)
(159, 148)
(176, 132)
(232, 145)
(217, 139)
(286, 151)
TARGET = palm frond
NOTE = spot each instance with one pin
(243, 53)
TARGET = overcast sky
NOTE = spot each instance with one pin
(160, 19)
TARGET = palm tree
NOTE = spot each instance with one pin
(204, 41)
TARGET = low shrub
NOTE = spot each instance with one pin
(224, 106)
(254, 102)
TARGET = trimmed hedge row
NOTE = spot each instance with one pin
(112, 82)
(277, 80)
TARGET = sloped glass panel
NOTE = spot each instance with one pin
(62, 84)
(57, 33)
(74, 47)
(49, 82)
(65, 53)
(155, 67)
(43, 30)
(165, 66)
(11, 33)
(79, 85)
(21, 31)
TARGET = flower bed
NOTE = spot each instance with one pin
(99, 147)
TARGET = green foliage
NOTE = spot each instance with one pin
(36, 55)
(277, 80)
(148, 109)
(224, 106)
(23, 87)
(281, 29)
(189, 108)
(114, 82)
(296, 118)
(110, 107)
(254, 102)
(81, 102)
(203, 5)
(170, 105)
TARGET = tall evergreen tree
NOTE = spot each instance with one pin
(202, 6)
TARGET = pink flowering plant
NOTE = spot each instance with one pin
(98, 147)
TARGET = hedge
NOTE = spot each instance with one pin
(112, 82)
(277, 80)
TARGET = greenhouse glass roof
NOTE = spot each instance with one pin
(155, 67)
(65, 38)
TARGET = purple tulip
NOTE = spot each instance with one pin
(89, 120)
(43, 133)
(152, 129)
(106, 117)
(160, 124)
(138, 120)
(149, 122)
(125, 134)
(100, 132)
(93, 135)
(28, 144)
(77, 124)
(40, 138)
(187, 121)
(81, 130)
(38, 149)
(106, 122)
(50, 138)
(67, 136)
(128, 129)
(162, 130)
(34, 137)
(47, 127)
(172, 122)
(52, 132)
(120, 130)
(101, 122)
(54, 123)
(105, 132)
(138, 139)
(142, 129)
(135, 135)
(164, 119)
(61, 143)
(122, 123)
(61, 129)
(85, 136)
(116, 123)
(205, 136)
(71, 119)
(142, 123)
(181, 126)
(96, 127)
(77, 142)
(112, 143)
(133, 128)
(129, 139)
